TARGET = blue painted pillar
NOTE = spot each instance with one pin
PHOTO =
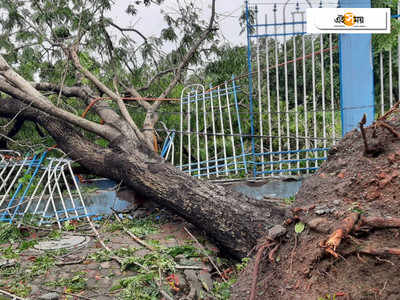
(356, 74)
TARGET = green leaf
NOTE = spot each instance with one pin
(299, 228)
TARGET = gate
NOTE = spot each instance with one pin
(292, 79)
(281, 117)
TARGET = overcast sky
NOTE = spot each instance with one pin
(150, 21)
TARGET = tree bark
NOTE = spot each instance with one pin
(232, 220)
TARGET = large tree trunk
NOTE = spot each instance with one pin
(234, 221)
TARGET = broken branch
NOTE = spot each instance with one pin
(131, 234)
(339, 234)
(364, 136)
(205, 253)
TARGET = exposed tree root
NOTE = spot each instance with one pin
(390, 128)
(272, 253)
(390, 111)
(378, 222)
(336, 237)
(256, 265)
(384, 251)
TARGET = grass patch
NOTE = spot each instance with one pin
(10, 233)
(138, 226)
(72, 285)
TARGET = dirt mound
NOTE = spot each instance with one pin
(349, 247)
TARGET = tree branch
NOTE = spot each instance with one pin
(105, 131)
(110, 93)
(127, 29)
(151, 81)
(188, 56)
(102, 108)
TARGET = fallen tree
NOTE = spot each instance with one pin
(234, 221)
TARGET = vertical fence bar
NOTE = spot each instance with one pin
(277, 89)
(332, 91)
(271, 157)
(249, 28)
(189, 135)
(213, 131)
(205, 132)
(323, 92)
(314, 100)
(307, 141)
(261, 129)
(228, 104)
(285, 62)
(181, 133)
(197, 131)
(222, 130)
(296, 109)
(239, 123)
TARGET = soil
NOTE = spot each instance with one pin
(348, 182)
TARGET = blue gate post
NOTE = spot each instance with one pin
(356, 74)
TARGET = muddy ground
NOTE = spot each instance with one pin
(350, 184)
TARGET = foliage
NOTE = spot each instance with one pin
(221, 290)
(299, 227)
(9, 233)
(386, 42)
(290, 200)
(72, 285)
(138, 226)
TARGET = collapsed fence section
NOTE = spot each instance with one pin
(39, 190)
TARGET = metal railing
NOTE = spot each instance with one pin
(46, 190)
(292, 79)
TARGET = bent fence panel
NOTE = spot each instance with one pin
(39, 190)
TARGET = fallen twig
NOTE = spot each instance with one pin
(11, 295)
(256, 265)
(131, 234)
(69, 294)
(336, 237)
(189, 267)
(205, 253)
